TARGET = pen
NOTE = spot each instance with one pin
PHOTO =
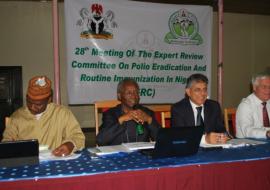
(229, 135)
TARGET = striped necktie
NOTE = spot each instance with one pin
(265, 116)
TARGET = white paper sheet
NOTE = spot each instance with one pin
(125, 147)
(233, 143)
(139, 145)
(46, 155)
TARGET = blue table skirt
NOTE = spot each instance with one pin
(87, 165)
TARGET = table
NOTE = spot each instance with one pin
(238, 168)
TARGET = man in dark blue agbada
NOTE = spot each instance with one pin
(128, 121)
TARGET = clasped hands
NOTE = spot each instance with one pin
(216, 138)
(137, 115)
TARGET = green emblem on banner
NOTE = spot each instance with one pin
(184, 28)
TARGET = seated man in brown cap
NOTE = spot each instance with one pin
(53, 125)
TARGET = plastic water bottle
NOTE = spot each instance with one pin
(139, 129)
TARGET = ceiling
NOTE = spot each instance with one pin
(234, 6)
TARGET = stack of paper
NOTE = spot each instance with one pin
(139, 145)
(246, 142)
(104, 150)
(125, 147)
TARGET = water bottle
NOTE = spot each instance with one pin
(139, 129)
(139, 126)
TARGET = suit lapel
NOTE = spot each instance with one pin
(206, 113)
(190, 114)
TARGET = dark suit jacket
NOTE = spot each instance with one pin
(182, 115)
(112, 133)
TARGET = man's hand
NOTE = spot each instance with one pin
(141, 117)
(216, 138)
(64, 149)
(137, 115)
(268, 134)
(126, 117)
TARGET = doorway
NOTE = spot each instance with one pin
(11, 95)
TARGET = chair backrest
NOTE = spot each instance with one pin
(101, 106)
(229, 115)
(158, 109)
(165, 116)
(7, 120)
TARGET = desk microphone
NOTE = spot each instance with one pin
(139, 126)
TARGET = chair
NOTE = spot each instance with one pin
(229, 115)
(101, 106)
(165, 116)
(7, 120)
(158, 109)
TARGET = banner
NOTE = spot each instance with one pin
(158, 45)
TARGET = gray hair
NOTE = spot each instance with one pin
(259, 76)
(196, 78)
(122, 83)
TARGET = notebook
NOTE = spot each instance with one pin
(176, 141)
(16, 153)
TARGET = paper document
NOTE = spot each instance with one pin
(104, 150)
(233, 143)
(46, 155)
(139, 145)
(125, 147)
(246, 141)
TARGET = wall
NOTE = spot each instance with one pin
(26, 40)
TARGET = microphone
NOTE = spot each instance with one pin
(139, 126)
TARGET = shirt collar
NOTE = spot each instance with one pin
(257, 100)
(38, 116)
(193, 105)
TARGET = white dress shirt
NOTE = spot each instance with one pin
(249, 118)
(38, 116)
(195, 111)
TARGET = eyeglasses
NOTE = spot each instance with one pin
(198, 90)
(264, 87)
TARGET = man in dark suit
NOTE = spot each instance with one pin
(128, 121)
(196, 110)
